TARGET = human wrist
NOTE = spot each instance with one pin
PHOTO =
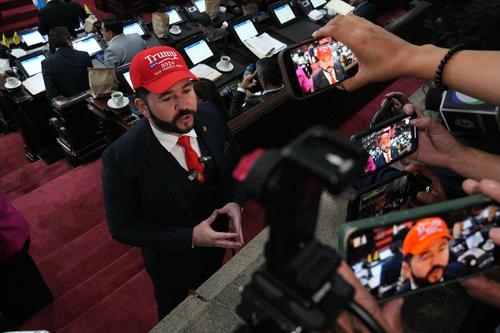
(422, 61)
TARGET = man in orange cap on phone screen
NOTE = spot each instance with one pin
(331, 70)
(167, 181)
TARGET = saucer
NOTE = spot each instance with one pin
(112, 104)
(224, 69)
(175, 33)
(14, 86)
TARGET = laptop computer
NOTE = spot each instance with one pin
(32, 38)
(133, 27)
(198, 53)
(31, 64)
(289, 25)
(88, 44)
(174, 16)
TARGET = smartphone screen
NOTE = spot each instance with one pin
(380, 199)
(315, 65)
(394, 260)
(388, 143)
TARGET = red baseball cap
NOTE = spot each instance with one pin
(324, 51)
(158, 68)
(423, 234)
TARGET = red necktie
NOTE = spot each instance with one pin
(192, 159)
(332, 78)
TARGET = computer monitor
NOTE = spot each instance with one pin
(200, 5)
(88, 44)
(126, 75)
(284, 14)
(198, 51)
(32, 37)
(245, 29)
(133, 27)
(318, 3)
(174, 16)
(32, 64)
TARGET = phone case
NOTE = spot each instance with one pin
(357, 137)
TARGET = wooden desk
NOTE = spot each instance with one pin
(32, 115)
(113, 124)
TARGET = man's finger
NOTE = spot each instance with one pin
(490, 188)
(227, 244)
(470, 186)
(392, 314)
(211, 218)
(495, 235)
(426, 197)
(225, 235)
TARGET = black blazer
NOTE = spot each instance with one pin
(58, 13)
(238, 100)
(143, 199)
(320, 81)
(65, 72)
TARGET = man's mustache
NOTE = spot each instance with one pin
(184, 112)
(434, 268)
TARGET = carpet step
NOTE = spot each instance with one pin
(9, 4)
(11, 153)
(10, 28)
(130, 308)
(80, 259)
(30, 177)
(74, 303)
(63, 209)
(19, 13)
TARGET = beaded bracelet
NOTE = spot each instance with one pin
(439, 73)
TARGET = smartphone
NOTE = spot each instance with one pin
(388, 110)
(388, 142)
(378, 199)
(250, 69)
(314, 66)
(413, 250)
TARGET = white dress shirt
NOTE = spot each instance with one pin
(169, 142)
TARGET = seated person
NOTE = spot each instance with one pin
(251, 8)
(207, 91)
(210, 32)
(58, 13)
(269, 77)
(65, 71)
(121, 47)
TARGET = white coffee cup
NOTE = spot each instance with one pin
(175, 29)
(225, 61)
(117, 98)
(222, 9)
(11, 81)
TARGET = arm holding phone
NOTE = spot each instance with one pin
(383, 56)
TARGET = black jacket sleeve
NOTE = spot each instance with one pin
(236, 104)
(125, 220)
(51, 89)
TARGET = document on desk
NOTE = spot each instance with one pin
(264, 45)
(34, 84)
(204, 71)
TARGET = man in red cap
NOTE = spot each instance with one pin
(167, 182)
(330, 71)
(426, 254)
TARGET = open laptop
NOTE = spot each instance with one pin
(133, 27)
(200, 5)
(88, 44)
(198, 53)
(174, 16)
(289, 25)
(31, 64)
(32, 38)
(244, 29)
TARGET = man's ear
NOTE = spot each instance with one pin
(405, 270)
(142, 107)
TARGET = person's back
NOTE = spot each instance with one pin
(121, 47)
(65, 71)
(57, 13)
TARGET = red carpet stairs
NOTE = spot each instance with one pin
(16, 15)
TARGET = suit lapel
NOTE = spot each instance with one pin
(163, 163)
(207, 136)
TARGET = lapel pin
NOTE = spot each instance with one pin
(205, 129)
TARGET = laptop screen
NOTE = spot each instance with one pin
(284, 13)
(198, 51)
(133, 28)
(32, 37)
(88, 44)
(173, 16)
(126, 75)
(200, 5)
(33, 65)
(245, 30)
(317, 3)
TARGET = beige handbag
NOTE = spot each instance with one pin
(102, 81)
(160, 24)
(89, 23)
(212, 8)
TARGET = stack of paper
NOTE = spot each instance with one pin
(206, 72)
(339, 7)
(34, 84)
(264, 45)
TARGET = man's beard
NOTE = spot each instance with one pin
(170, 126)
(419, 282)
